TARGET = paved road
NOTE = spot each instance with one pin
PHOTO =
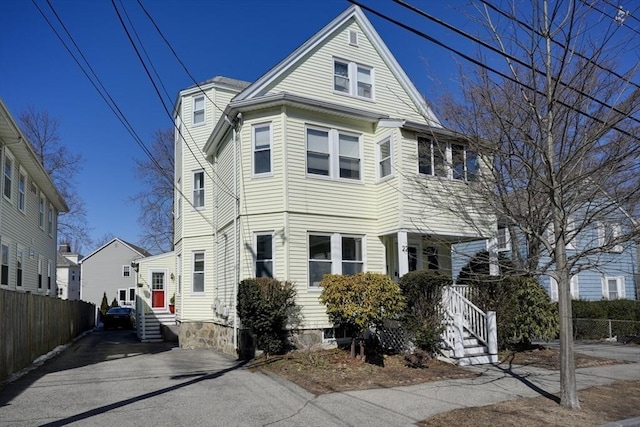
(109, 379)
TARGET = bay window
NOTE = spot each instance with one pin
(334, 154)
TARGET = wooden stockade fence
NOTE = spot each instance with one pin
(33, 325)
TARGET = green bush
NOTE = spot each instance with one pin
(620, 309)
(114, 303)
(264, 306)
(360, 301)
(422, 317)
(532, 315)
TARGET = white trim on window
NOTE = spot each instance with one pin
(353, 38)
(613, 287)
(179, 274)
(262, 150)
(334, 154)
(264, 254)
(384, 159)
(126, 271)
(50, 221)
(353, 79)
(42, 210)
(454, 161)
(198, 110)
(19, 266)
(7, 176)
(198, 189)
(22, 191)
(5, 260)
(573, 283)
(198, 264)
(327, 253)
(122, 296)
(49, 276)
(504, 239)
(608, 232)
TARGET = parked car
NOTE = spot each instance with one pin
(119, 317)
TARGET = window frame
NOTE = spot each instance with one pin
(19, 266)
(194, 255)
(22, 191)
(574, 288)
(254, 150)
(42, 210)
(50, 220)
(616, 231)
(352, 79)
(126, 270)
(48, 275)
(333, 153)
(620, 287)
(40, 262)
(380, 159)
(446, 168)
(5, 261)
(7, 176)
(200, 190)
(272, 260)
(354, 262)
(503, 230)
(194, 111)
(335, 259)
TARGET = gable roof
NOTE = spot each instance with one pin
(140, 251)
(12, 137)
(353, 12)
(63, 261)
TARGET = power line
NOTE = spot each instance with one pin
(155, 86)
(482, 65)
(613, 18)
(510, 57)
(106, 96)
(557, 43)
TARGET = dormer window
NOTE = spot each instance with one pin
(353, 79)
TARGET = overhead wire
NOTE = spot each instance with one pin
(155, 86)
(104, 92)
(592, 6)
(485, 66)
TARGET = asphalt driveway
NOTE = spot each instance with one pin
(108, 378)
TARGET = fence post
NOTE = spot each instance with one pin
(609, 321)
(492, 332)
(458, 346)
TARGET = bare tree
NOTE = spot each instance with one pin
(156, 201)
(104, 239)
(62, 165)
(558, 131)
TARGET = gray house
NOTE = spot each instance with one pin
(108, 269)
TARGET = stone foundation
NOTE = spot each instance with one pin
(207, 335)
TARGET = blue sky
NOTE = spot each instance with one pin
(240, 39)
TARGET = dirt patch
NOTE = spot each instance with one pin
(599, 405)
(334, 370)
(550, 359)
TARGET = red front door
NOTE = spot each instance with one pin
(157, 290)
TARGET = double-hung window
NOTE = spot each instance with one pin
(40, 272)
(261, 149)
(198, 189)
(608, 233)
(41, 211)
(351, 255)
(453, 161)
(126, 270)
(198, 110)
(198, 272)
(319, 258)
(264, 254)
(384, 158)
(48, 275)
(334, 154)
(613, 287)
(504, 238)
(50, 220)
(334, 254)
(22, 191)
(8, 177)
(4, 255)
(353, 79)
(19, 262)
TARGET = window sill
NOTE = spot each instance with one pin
(329, 178)
(262, 175)
(385, 178)
(197, 125)
(198, 294)
(349, 95)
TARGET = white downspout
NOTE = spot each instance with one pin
(235, 239)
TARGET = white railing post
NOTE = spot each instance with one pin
(492, 332)
(458, 346)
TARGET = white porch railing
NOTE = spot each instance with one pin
(461, 314)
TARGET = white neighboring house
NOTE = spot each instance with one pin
(156, 288)
(317, 167)
(68, 273)
(29, 208)
(108, 270)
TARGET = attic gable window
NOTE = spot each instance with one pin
(353, 79)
